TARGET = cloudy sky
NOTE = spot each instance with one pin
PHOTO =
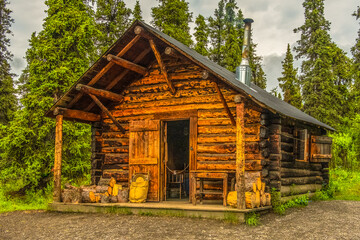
(272, 29)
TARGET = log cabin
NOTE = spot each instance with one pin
(158, 107)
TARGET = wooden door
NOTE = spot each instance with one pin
(144, 153)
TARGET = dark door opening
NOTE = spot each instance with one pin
(177, 159)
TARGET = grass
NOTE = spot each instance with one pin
(344, 185)
(280, 207)
(32, 201)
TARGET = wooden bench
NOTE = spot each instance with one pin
(201, 176)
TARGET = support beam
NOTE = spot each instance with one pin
(173, 53)
(240, 152)
(221, 96)
(140, 31)
(120, 76)
(127, 64)
(205, 75)
(162, 66)
(57, 161)
(104, 70)
(104, 109)
(77, 114)
(100, 93)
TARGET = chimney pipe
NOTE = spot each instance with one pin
(243, 72)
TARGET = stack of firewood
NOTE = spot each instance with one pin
(107, 191)
(258, 197)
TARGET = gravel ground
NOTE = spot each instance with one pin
(320, 220)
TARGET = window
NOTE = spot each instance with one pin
(320, 148)
(301, 146)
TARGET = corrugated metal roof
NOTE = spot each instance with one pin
(228, 77)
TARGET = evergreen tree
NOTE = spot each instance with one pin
(258, 76)
(233, 37)
(355, 50)
(137, 13)
(201, 36)
(217, 28)
(325, 70)
(7, 92)
(57, 57)
(289, 82)
(172, 17)
(113, 19)
(275, 92)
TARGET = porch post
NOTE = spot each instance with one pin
(240, 152)
(58, 152)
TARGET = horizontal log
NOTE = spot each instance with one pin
(216, 148)
(77, 114)
(215, 157)
(116, 166)
(214, 121)
(216, 165)
(264, 172)
(115, 134)
(288, 198)
(163, 109)
(118, 174)
(301, 180)
(265, 152)
(116, 158)
(123, 149)
(299, 189)
(217, 129)
(287, 157)
(100, 93)
(290, 172)
(287, 147)
(194, 84)
(115, 142)
(274, 175)
(216, 138)
(264, 143)
(127, 64)
(275, 184)
(287, 138)
(302, 165)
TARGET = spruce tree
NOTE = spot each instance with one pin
(355, 50)
(325, 77)
(217, 33)
(57, 57)
(172, 17)
(7, 92)
(137, 13)
(289, 82)
(113, 19)
(201, 36)
(233, 37)
(258, 76)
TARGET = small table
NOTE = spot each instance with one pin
(201, 175)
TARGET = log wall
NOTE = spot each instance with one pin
(298, 177)
(149, 97)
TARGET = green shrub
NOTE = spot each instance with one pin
(252, 219)
(280, 207)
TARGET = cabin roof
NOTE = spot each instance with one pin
(162, 40)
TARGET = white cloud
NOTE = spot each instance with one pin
(272, 29)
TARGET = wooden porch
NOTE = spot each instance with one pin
(213, 210)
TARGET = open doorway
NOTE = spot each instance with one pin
(177, 159)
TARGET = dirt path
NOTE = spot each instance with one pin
(320, 220)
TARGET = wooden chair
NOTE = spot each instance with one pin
(177, 177)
